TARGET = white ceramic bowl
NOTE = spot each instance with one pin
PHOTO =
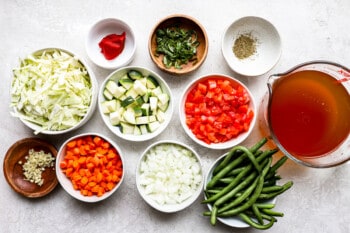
(116, 76)
(232, 221)
(67, 184)
(268, 46)
(169, 174)
(94, 93)
(106, 27)
(220, 145)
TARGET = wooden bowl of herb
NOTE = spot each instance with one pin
(251, 46)
(29, 167)
(178, 44)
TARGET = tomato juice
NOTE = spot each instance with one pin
(309, 113)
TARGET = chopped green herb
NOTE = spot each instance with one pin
(179, 46)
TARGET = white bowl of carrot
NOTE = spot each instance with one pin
(89, 167)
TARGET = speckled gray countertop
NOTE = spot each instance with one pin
(319, 200)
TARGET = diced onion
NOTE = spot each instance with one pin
(170, 174)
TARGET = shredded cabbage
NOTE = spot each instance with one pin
(52, 90)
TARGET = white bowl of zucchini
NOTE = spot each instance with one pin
(135, 103)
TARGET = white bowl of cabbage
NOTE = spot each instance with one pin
(53, 91)
(169, 176)
(135, 103)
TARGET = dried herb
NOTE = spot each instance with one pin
(244, 46)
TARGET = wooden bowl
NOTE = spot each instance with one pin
(13, 170)
(187, 23)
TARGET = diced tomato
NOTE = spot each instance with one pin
(217, 110)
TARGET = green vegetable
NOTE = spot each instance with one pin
(52, 89)
(141, 103)
(243, 191)
(179, 46)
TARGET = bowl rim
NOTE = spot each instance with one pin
(94, 92)
(276, 35)
(115, 63)
(35, 142)
(178, 207)
(66, 183)
(228, 144)
(194, 21)
(169, 112)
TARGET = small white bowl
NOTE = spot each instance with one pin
(167, 207)
(118, 74)
(106, 27)
(268, 46)
(67, 184)
(232, 221)
(94, 92)
(221, 145)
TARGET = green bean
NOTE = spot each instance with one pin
(272, 213)
(244, 195)
(249, 221)
(229, 186)
(213, 215)
(252, 158)
(265, 205)
(229, 155)
(257, 213)
(235, 171)
(258, 145)
(224, 171)
(270, 189)
(264, 216)
(277, 165)
(257, 190)
(226, 180)
(266, 196)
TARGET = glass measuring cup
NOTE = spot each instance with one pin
(307, 113)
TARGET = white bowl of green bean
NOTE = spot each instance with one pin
(241, 187)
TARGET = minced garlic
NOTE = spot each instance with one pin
(36, 163)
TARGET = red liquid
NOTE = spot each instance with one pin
(310, 113)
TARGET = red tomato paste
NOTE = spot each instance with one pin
(112, 45)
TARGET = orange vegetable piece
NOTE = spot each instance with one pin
(93, 165)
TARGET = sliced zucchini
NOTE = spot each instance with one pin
(137, 130)
(131, 92)
(145, 108)
(116, 117)
(107, 94)
(127, 83)
(152, 82)
(127, 101)
(153, 126)
(143, 129)
(157, 91)
(163, 98)
(139, 87)
(109, 106)
(134, 74)
(142, 120)
(126, 128)
(153, 103)
(160, 116)
(111, 86)
(129, 116)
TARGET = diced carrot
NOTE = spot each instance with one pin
(92, 164)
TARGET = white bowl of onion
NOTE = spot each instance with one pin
(169, 176)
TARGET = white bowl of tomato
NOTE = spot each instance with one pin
(90, 167)
(217, 111)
